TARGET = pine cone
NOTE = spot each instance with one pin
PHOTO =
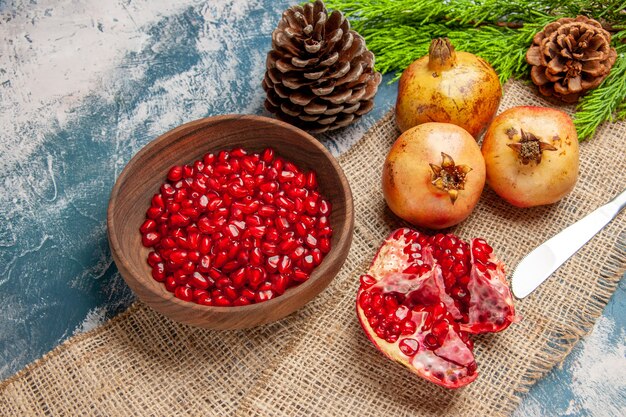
(319, 74)
(570, 56)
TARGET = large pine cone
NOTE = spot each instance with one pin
(570, 56)
(319, 74)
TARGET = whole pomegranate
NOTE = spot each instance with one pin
(433, 175)
(531, 155)
(422, 297)
(450, 87)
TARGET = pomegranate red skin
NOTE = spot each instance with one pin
(407, 175)
(532, 184)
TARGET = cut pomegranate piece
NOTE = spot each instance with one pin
(422, 296)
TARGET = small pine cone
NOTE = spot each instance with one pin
(320, 75)
(569, 57)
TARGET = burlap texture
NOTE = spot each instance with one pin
(317, 362)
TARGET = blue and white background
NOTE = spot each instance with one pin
(84, 84)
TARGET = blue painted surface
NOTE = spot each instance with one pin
(82, 88)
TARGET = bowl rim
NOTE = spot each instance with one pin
(345, 232)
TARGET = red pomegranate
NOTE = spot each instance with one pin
(422, 297)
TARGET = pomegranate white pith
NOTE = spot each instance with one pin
(423, 295)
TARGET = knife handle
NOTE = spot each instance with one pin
(573, 237)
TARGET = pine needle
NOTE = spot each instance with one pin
(605, 103)
(500, 31)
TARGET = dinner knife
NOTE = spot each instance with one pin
(539, 264)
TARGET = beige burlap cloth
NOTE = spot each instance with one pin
(317, 362)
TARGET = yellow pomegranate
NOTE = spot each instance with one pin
(433, 175)
(449, 87)
(531, 155)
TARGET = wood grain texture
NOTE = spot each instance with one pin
(144, 174)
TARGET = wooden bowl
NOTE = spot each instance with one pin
(147, 170)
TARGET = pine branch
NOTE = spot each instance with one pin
(500, 31)
(605, 103)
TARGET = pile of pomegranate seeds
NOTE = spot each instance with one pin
(235, 228)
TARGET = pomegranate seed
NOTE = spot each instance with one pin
(440, 330)
(268, 155)
(154, 258)
(256, 276)
(204, 263)
(184, 293)
(267, 198)
(367, 281)
(287, 245)
(272, 262)
(408, 327)
(239, 278)
(300, 275)
(178, 256)
(311, 205)
(148, 226)
(284, 202)
(180, 277)
(317, 256)
(179, 220)
(256, 257)
(269, 249)
(298, 253)
(308, 263)
(197, 294)
(285, 265)
(266, 211)
(282, 224)
(311, 241)
(279, 284)
(431, 342)
(252, 207)
(324, 245)
(409, 346)
(241, 301)
(248, 164)
(170, 283)
(260, 168)
(230, 266)
(285, 176)
(221, 301)
(248, 294)
(158, 272)
(458, 292)
(220, 259)
(197, 280)
(154, 212)
(311, 180)
(157, 201)
(150, 239)
(231, 293)
(175, 173)
(264, 296)
(272, 235)
(301, 229)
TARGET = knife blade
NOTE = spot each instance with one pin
(546, 258)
